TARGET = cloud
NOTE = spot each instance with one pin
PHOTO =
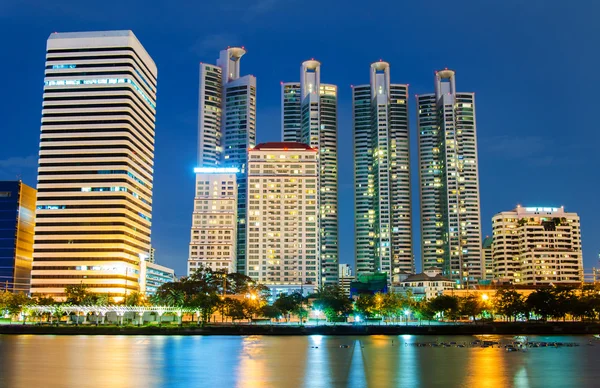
(534, 151)
(251, 9)
(213, 43)
(19, 162)
(17, 166)
(514, 147)
(260, 7)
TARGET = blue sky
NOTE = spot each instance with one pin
(532, 64)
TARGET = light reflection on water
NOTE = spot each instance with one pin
(313, 361)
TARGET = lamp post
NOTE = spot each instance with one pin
(407, 315)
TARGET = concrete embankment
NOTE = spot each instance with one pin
(549, 328)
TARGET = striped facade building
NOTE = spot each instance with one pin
(95, 176)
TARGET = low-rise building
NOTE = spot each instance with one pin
(426, 285)
(153, 276)
(345, 278)
(488, 263)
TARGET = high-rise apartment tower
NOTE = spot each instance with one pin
(382, 205)
(283, 205)
(449, 181)
(94, 204)
(309, 116)
(227, 127)
(214, 222)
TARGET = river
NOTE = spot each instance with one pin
(297, 361)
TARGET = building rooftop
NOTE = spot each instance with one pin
(282, 145)
(487, 243)
(423, 277)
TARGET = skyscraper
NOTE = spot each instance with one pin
(227, 127)
(283, 233)
(449, 181)
(94, 204)
(214, 222)
(383, 232)
(17, 221)
(309, 116)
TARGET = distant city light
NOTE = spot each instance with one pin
(216, 170)
(541, 209)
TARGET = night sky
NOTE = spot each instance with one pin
(532, 64)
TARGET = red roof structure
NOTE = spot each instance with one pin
(282, 145)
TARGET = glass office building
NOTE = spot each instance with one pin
(17, 221)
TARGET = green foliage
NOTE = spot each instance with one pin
(13, 303)
(365, 306)
(471, 306)
(133, 299)
(77, 294)
(446, 305)
(509, 303)
(333, 302)
(288, 304)
(268, 311)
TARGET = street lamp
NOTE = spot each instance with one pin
(407, 314)
(317, 312)
(485, 297)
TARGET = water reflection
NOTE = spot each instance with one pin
(296, 361)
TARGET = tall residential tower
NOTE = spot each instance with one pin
(383, 233)
(449, 181)
(214, 222)
(309, 116)
(283, 234)
(227, 127)
(94, 203)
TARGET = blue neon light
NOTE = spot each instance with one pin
(101, 81)
(64, 66)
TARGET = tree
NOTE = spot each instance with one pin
(423, 310)
(334, 303)
(133, 299)
(13, 303)
(509, 303)
(234, 309)
(446, 306)
(5, 299)
(562, 299)
(169, 295)
(301, 313)
(470, 305)
(206, 304)
(365, 306)
(269, 311)
(42, 300)
(77, 294)
(540, 302)
(287, 303)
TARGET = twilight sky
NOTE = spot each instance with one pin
(532, 64)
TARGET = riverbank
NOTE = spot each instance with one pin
(561, 328)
